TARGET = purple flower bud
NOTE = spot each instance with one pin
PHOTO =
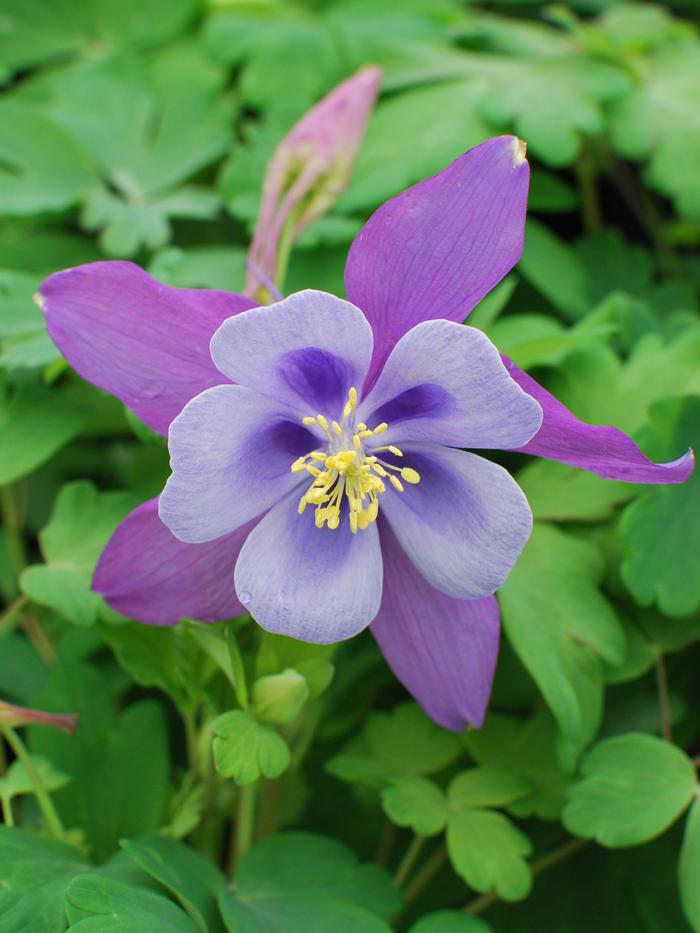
(308, 171)
(12, 716)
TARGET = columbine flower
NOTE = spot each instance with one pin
(307, 173)
(330, 476)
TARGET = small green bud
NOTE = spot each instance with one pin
(278, 698)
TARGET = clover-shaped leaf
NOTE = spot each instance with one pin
(81, 524)
(484, 846)
(632, 788)
(245, 749)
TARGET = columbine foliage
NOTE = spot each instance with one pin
(211, 753)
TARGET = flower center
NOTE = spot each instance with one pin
(345, 470)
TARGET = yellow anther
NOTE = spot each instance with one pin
(345, 477)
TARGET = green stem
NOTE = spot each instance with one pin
(664, 702)
(479, 904)
(425, 875)
(588, 191)
(7, 816)
(409, 860)
(53, 821)
(244, 826)
(13, 527)
(241, 686)
(386, 842)
(7, 619)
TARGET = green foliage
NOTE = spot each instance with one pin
(245, 749)
(631, 789)
(563, 628)
(298, 882)
(81, 524)
(661, 530)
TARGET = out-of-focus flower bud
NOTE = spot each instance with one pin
(307, 173)
(20, 716)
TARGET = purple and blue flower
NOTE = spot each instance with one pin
(322, 473)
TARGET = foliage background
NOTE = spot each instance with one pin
(140, 129)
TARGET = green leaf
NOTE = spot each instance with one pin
(416, 802)
(96, 904)
(34, 424)
(689, 868)
(17, 781)
(632, 788)
(49, 177)
(659, 121)
(279, 698)
(24, 342)
(278, 653)
(34, 33)
(35, 873)
(118, 764)
(568, 90)
(552, 267)
(155, 657)
(563, 628)
(304, 883)
(526, 749)
(245, 749)
(192, 879)
(449, 921)
(133, 129)
(488, 851)
(81, 523)
(660, 532)
(401, 743)
(486, 787)
(559, 492)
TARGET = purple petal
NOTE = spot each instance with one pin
(147, 574)
(435, 250)
(306, 350)
(463, 525)
(231, 450)
(144, 342)
(311, 583)
(606, 451)
(442, 650)
(445, 383)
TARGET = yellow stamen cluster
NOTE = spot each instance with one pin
(345, 470)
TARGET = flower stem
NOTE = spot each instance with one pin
(244, 826)
(425, 875)
(7, 816)
(409, 860)
(53, 821)
(12, 522)
(664, 703)
(241, 686)
(7, 618)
